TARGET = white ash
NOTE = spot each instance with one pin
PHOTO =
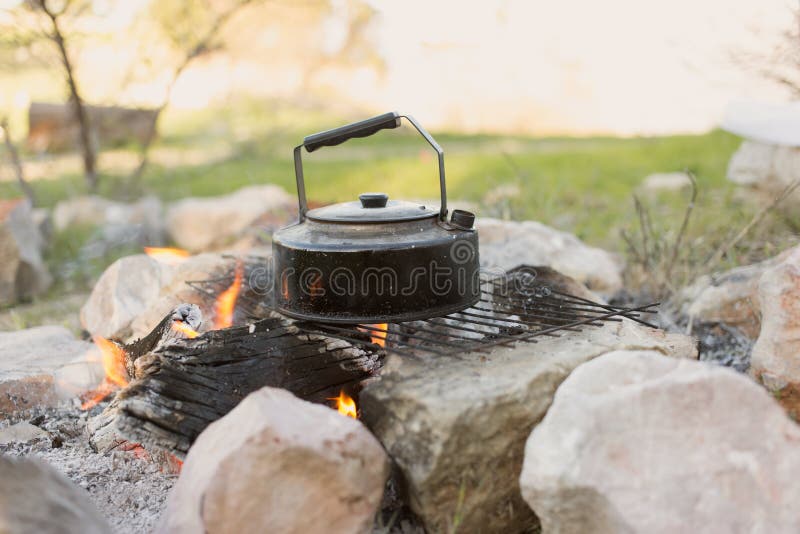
(130, 492)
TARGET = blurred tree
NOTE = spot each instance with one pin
(15, 162)
(781, 65)
(355, 47)
(36, 21)
(192, 28)
(787, 58)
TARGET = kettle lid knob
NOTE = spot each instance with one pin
(373, 200)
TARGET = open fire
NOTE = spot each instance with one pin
(186, 330)
(226, 301)
(113, 359)
(345, 405)
(377, 333)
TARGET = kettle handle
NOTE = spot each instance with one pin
(363, 128)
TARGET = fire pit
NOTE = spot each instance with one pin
(345, 288)
(347, 284)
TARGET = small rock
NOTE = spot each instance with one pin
(456, 425)
(34, 497)
(776, 354)
(202, 224)
(635, 442)
(765, 168)
(23, 432)
(279, 464)
(35, 367)
(123, 292)
(666, 181)
(506, 244)
(23, 273)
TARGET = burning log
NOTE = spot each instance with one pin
(179, 384)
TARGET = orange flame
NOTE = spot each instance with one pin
(185, 329)
(170, 256)
(379, 338)
(345, 405)
(226, 301)
(113, 358)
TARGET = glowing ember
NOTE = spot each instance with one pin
(172, 465)
(135, 448)
(185, 329)
(379, 338)
(345, 405)
(226, 301)
(170, 256)
(113, 358)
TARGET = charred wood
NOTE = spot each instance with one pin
(179, 386)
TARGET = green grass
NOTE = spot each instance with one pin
(582, 185)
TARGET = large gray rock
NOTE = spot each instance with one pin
(456, 425)
(202, 224)
(135, 222)
(123, 292)
(776, 355)
(44, 365)
(506, 244)
(635, 442)
(23, 273)
(36, 498)
(276, 463)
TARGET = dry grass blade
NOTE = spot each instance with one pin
(684, 226)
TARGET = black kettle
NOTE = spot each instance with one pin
(374, 260)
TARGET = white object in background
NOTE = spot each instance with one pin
(765, 122)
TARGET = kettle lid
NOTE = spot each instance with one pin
(372, 208)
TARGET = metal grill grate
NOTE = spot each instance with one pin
(517, 307)
(497, 319)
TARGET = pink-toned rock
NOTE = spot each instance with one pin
(635, 442)
(279, 464)
(776, 354)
